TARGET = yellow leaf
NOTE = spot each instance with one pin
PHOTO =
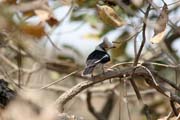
(109, 16)
(91, 36)
(158, 38)
(42, 14)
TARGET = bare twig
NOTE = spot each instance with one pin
(148, 63)
(61, 79)
(135, 64)
(126, 100)
(91, 108)
(144, 37)
(106, 110)
(52, 43)
(150, 73)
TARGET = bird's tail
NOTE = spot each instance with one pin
(88, 70)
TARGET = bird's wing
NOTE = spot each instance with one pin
(93, 62)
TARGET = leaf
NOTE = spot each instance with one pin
(52, 21)
(45, 16)
(42, 14)
(158, 38)
(160, 26)
(109, 16)
(33, 30)
(161, 21)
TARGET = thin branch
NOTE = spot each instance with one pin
(91, 108)
(61, 79)
(147, 63)
(52, 43)
(126, 100)
(129, 38)
(146, 110)
(144, 37)
(150, 73)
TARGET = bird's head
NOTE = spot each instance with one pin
(106, 45)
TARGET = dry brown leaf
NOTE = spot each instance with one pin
(162, 20)
(109, 16)
(42, 14)
(158, 38)
(160, 26)
(52, 21)
(46, 16)
(33, 30)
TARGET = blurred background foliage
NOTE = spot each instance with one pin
(30, 58)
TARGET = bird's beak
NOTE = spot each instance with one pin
(112, 47)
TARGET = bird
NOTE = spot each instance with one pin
(98, 56)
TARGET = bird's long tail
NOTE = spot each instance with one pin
(88, 70)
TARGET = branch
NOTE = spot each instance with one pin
(69, 94)
(91, 108)
(144, 36)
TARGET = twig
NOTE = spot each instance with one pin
(52, 43)
(136, 90)
(65, 16)
(105, 112)
(173, 3)
(150, 73)
(61, 79)
(148, 63)
(126, 100)
(129, 38)
(91, 108)
(135, 45)
(19, 63)
(146, 110)
(144, 37)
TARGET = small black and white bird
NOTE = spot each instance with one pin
(98, 56)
